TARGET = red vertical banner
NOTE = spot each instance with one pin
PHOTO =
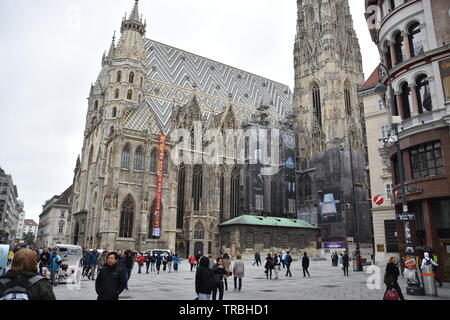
(159, 187)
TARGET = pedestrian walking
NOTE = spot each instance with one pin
(192, 261)
(269, 266)
(129, 263)
(276, 265)
(53, 265)
(158, 262)
(140, 260)
(197, 258)
(341, 261)
(147, 261)
(43, 262)
(211, 261)
(287, 262)
(283, 259)
(218, 271)
(305, 265)
(169, 262)
(238, 272)
(21, 282)
(101, 261)
(204, 280)
(152, 263)
(111, 280)
(225, 256)
(391, 278)
(345, 263)
(226, 266)
(93, 258)
(176, 262)
(164, 261)
(435, 270)
(85, 261)
(256, 259)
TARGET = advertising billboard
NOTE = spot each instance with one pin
(4, 250)
(330, 206)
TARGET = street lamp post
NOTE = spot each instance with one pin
(355, 216)
(413, 284)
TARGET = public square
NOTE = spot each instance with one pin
(326, 283)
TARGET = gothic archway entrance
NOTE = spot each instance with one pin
(75, 233)
(181, 250)
(198, 247)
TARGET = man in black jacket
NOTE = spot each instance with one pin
(204, 280)
(345, 262)
(111, 280)
(305, 265)
(218, 271)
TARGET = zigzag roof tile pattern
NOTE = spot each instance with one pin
(173, 73)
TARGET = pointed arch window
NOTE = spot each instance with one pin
(199, 231)
(308, 188)
(317, 107)
(153, 161)
(415, 39)
(126, 218)
(119, 76)
(166, 163)
(138, 159)
(126, 157)
(96, 105)
(91, 156)
(234, 194)
(116, 94)
(423, 94)
(130, 94)
(111, 131)
(131, 77)
(197, 186)
(347, 98)
(142, 82)
(180, 196)
(114, 112)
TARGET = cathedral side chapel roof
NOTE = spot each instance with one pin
(268, 221)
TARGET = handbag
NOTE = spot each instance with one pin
(391, 294)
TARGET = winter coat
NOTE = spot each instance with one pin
(345, 259)
(93, 258)
(43, 260)
(238, 269)
(226, 265)
(218, 272)
(101, 261)
(176, 260)
(41, 290)
(140, 260)
(192, 260)
(269, 263)
(391, 275)
(110, 282)
(305, 262)
(53, 265)
(129, 262)
(287, 259)
(204, 278)
(158, 260)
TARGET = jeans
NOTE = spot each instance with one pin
(147, 264)
(152, 266)
(165, 266)
(240, 283)
(345, 268)
(169, 265)
(192, 266)
(175, 267)
(203, 296)
(268, 270)
(128, 274)
(220, 287)
(276, 269)
(158, 267)
(288, 271)
(140, 266)
(305, 271)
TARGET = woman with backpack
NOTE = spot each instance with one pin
(22, 281)
(390, 279)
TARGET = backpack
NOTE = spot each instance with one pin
(17, 292)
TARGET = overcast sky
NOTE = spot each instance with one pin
(50, 53)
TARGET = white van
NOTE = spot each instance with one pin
(156, 251)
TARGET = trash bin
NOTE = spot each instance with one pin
(429, 281)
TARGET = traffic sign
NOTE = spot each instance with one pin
(405, 217)
(378, 200)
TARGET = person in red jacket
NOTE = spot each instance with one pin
(140, 260)
(192, 261)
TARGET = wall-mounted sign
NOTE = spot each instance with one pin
(414, 189)
(290, 163)
(334, 245)
(380, 247)
(405, 217)
(378, 200)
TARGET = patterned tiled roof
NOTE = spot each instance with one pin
(173, 73)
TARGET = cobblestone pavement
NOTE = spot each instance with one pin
(326, 283)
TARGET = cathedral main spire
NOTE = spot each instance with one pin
(134, 22)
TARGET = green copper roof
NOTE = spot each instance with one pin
(268, 221)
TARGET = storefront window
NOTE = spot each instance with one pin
(441, 212)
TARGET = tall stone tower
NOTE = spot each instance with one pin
(328, 73)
